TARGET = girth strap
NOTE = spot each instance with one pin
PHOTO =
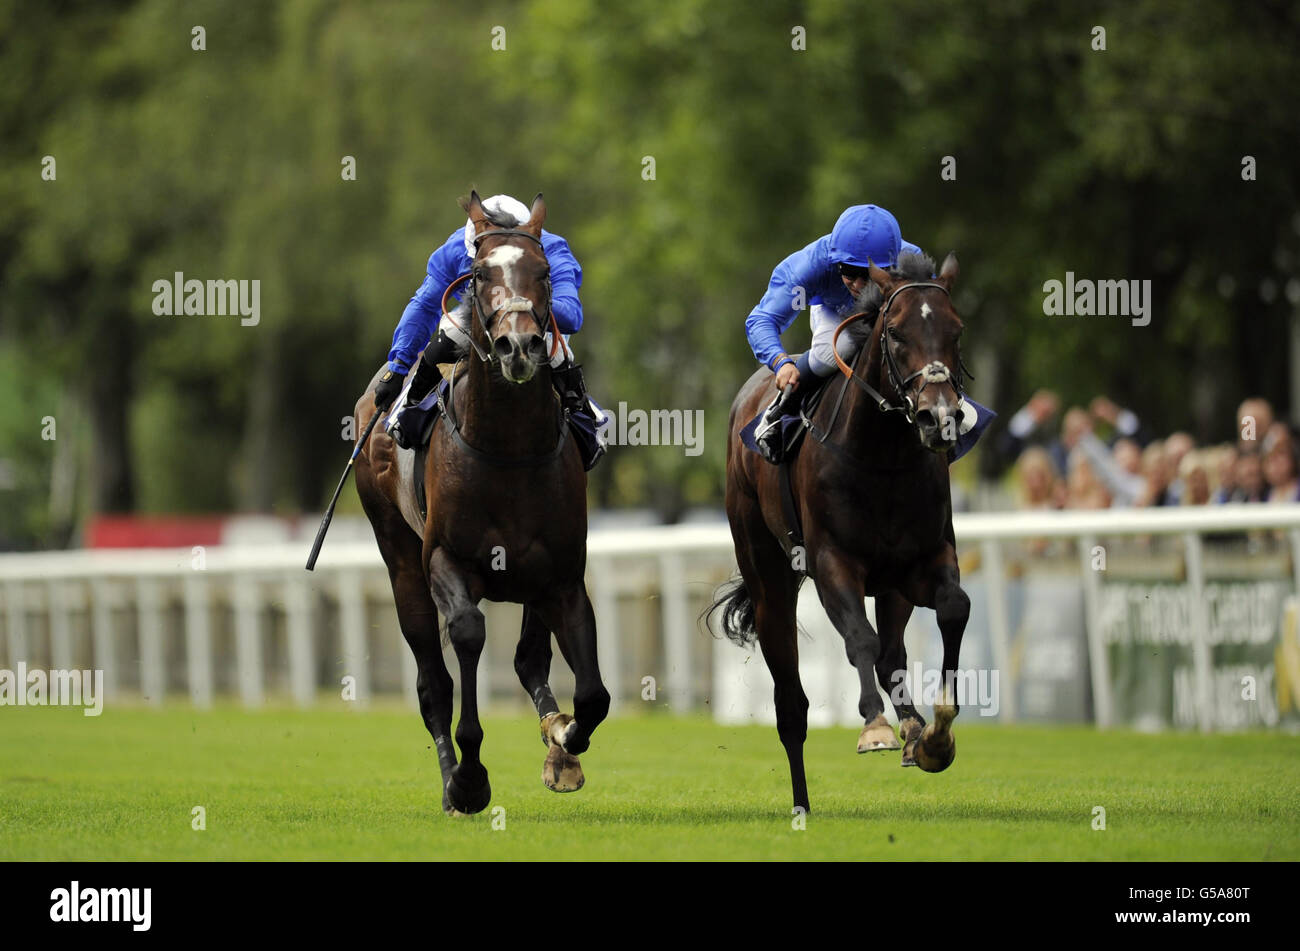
(794, 530)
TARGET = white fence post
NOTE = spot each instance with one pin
(298, 617)
(60, 623)
(16, 623)
(677, 644)
(1098, 660)
(102, 635)
(248, 639)
(999, 626)
(1200, 631)
(153, 673)
(198, 639)
(352, 631)
(608, 644)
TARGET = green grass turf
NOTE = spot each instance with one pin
(333, 784)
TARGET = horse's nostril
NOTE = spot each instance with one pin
(502, 347)
(925, 419)
(536, 348)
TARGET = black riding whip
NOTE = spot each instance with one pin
(329, 512)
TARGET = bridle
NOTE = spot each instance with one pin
(513, 305)
(933, 372)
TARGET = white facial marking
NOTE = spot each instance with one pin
(925, 311)
(505, 257)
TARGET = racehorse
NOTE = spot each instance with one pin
(506, 519)
(871, 497)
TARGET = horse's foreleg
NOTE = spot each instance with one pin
(467, 787)
(892, 612)
(561, 772)
(570, 616)
(533, 662)
(936, 749)
(841, 588)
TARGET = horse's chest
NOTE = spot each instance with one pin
(889, 530)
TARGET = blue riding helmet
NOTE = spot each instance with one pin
(866, 234)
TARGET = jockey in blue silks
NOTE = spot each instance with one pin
(828, 276)
(424, 312)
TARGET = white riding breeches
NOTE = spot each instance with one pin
(824, 322)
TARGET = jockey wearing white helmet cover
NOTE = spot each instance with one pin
(423, 315)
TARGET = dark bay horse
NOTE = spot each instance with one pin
(507, 520)
(871, 492)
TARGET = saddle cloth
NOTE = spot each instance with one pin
(587, 431)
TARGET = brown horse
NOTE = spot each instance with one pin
(507, 520)
(872, 498)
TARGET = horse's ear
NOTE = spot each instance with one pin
(473, 206)
(538, 216)
(948, 273)
(879, 277)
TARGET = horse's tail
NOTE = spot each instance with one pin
(737, 612)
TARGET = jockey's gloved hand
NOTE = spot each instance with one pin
(388, 389)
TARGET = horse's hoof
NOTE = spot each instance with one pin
(910, 730)
(562, 772)
(466, 800)
(876, 736)
(936, 748)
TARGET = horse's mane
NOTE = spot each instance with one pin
(910, 266)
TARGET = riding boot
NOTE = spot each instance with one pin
(427, 376)
(572, 388)
(574, 401)
(769, 435)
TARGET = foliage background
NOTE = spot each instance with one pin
(226, 163)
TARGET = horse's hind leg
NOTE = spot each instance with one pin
(418, 618)
(468, 790)
(568, 613)
(773, 587)
(892, 612)
(561, 772)
(841, 589)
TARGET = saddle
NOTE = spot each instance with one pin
(793, 426)
(585, 429)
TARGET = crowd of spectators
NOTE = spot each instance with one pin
(1101, 457)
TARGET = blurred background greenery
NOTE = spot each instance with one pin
(225, 163)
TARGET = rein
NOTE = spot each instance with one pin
(512, 305)
(933, 372)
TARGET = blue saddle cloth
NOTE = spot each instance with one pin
(587, 431)
(975, 419)
(420, 417)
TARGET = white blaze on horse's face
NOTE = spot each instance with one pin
(926, 312)
(517, 336)
(505, 257)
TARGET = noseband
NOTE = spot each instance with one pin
(515, 305)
